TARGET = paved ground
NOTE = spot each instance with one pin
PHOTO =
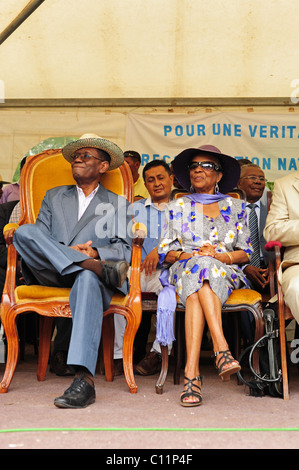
(228, 418)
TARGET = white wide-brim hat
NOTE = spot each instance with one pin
(94, 141)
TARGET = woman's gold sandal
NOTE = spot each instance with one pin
(191, 393)
(226, 359)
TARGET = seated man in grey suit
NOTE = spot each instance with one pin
(81, 240)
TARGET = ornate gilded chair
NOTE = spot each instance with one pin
(284, 313)
(42, 172)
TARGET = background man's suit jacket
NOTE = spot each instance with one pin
(282, 222)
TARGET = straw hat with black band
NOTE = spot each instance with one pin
(94, 141)
(230, 167)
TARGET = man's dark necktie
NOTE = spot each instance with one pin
(254, 236)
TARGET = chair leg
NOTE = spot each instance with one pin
(22, 335)
(131, 329)
(237, 341)
(284, 368)
(179, 346)
(164, 369)
(45, 333)
(108, 346)
(12, 342)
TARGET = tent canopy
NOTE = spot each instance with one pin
(72, 67)
(150, 48)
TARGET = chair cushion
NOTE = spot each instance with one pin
(238, 296)
(243, 296)
(119, 299)
(24, 294)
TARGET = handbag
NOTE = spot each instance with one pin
(268, 380)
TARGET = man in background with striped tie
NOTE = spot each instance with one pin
(252, 182)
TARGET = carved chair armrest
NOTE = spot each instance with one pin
(8, 232)
(270, 246)
(274, 263)
(139, 233)
(276, 248)
(10, 284)
(12, 260)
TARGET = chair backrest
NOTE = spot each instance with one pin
(179, 194)
(237, 194)
(49, 169)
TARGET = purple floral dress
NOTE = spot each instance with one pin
(187, 229)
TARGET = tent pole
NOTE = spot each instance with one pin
(22, 16)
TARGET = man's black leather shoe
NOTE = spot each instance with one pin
(114, 272)
(79, 395)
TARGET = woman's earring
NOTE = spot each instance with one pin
(216, 188)
(191, 189)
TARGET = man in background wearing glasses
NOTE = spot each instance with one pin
(252, 182)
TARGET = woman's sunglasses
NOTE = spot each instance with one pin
(209, 166)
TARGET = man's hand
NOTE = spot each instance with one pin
(86, 249)
(258, 276)
(8, 236)
(150, 262)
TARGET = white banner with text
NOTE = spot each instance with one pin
(271, 141)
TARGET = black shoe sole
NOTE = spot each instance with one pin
(62, 403)
(119, 275)
(122, 273)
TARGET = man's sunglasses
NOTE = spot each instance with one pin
(209, 166)
(86, 157)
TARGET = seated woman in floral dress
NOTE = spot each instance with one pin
(205, 239)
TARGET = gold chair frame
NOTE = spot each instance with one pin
(284, 313)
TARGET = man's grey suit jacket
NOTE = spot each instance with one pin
(106, 221)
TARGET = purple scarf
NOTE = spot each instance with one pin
(206, 198)
(166, 304)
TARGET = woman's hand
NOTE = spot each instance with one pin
(206, 250)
